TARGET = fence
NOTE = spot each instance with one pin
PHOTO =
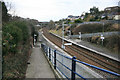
(106, 34)
(70, 67)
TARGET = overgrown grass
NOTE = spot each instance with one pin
(112, 43)
(58, 32)
(14, 66)
(16, 49)
(94, 28)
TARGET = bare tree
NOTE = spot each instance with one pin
(11, 8)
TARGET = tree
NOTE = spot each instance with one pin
(78, 21)
(94, 10)
(12, 35)
(51, 24)
(5, 15)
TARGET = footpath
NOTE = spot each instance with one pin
(39, 66)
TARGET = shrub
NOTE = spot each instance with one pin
(12, 35)
(94, 28)
(78, 21)
(113, 43)
(24, 28)
(88, 28)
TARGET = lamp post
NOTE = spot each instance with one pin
(102, 37)
(63, 45)
(69, 34)
(63, 36)
(80, 35)
(34, 38)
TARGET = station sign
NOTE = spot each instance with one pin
(68, 44)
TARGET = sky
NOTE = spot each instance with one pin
(46, 10)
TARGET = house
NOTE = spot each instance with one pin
(111, 8)
(72, 18)
(110, 13)
(117, 16)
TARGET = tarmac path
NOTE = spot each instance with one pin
(39, 66)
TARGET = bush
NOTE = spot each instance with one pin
(88, 28)
(94, 28)
(78, 21)
(59, 27)
(14, 63)
(113, 43)
(12, 35)
(24, 28)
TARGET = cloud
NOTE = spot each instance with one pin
(45, 10)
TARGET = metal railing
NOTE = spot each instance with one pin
(67, 66)
(106, 34)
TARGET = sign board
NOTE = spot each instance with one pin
(63, 47)
(102, 37)
(80, 33)
(68, 44)
(35, 35)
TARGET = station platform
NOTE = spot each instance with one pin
(98, 49)
(95, 48)
(39, 66)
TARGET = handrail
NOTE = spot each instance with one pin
(98, 68)
(64, 56)
(64, 65)
(73, 61)
(62, 73)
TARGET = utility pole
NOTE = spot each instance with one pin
(103, 27)
(102, 37)
(70, 32)
(63, 36)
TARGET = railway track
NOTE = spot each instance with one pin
(86, 55)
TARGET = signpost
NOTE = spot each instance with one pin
(102, 38)
(68, 44)
(80, 35)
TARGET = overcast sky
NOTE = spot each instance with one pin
(46, 10)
